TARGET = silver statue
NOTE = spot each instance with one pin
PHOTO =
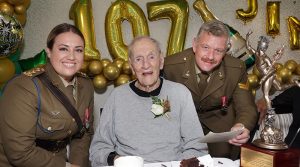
(270, 137)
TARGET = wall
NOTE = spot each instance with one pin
(43, 15)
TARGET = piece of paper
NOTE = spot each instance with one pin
(220, 137)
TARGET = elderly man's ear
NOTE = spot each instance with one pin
(162, 60)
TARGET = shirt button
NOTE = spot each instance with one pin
(49, 128)
(69, 131)
(73, 120)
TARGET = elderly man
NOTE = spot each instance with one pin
(218, 85)
(150, 117)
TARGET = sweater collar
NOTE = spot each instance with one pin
(142, 93)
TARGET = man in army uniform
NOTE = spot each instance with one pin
(218, 83)
(35, 126)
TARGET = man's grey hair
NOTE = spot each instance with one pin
(139, 38)
(216, 28)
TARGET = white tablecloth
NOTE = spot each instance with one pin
(218, 162)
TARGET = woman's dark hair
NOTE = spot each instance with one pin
(59, 29)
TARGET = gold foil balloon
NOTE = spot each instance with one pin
(294, 29)
(278, 66)
(291, 65)
(126, 68)
(85, 67)
(105, 62)
(273, 19)
(6, 8)
(100, 82)
(20, 10)
(11, 35)
(82, 14)
(95, 67)
(297, 71)
(283, 75)
(122, 79)
(118, 12)
(119, 62)
(250, 13)
(253, 81)
(111, 71)
(16, 2)
(256, 72)
(7, 70)
(177, 11)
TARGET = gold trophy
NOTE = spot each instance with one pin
(270, 149)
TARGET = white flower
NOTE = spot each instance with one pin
(157, 109)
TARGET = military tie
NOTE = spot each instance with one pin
(203, 81)
(70, 94)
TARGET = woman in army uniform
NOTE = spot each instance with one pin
(39, 126)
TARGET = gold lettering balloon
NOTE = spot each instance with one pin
(82, 14)
(177, 11)
(273, 19)
(294, 29)
(250, 13)
(118, 12)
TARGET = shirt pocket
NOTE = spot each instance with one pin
(49, 125)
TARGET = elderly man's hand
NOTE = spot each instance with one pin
(241, 138)
(262, 109)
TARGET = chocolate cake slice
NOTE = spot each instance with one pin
(192, 162)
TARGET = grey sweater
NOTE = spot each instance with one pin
(128, 127)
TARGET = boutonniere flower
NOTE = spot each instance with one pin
(160, 107)
(224, 103)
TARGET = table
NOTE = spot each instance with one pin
(217, 162)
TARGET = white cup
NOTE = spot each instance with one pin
(129, 161)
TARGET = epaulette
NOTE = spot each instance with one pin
(178, 58)
(82, 74)
(34, 71)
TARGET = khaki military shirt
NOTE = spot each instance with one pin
(21, 124)
(228, 80)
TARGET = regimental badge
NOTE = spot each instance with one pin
(82, 74)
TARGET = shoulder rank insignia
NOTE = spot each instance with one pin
(244, 86)
(82, 74)
(34, 71)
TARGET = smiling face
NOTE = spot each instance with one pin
(66, 55)
(209, 50)
(146, 62)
